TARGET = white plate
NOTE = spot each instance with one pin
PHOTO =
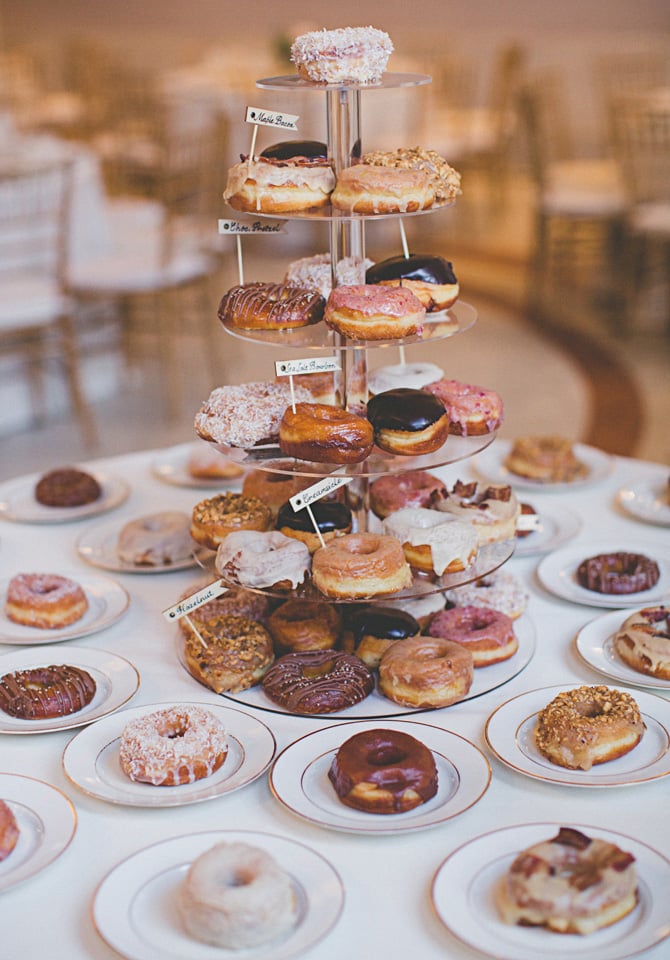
(490, 465)
(377, 706)
(171, 466)
(46, 820)
(107, 601)
(116, 680)
(556, 526)
(299, 779)
(91, 760)
(510, 733)
(647, 500)
(595, 645)
(135, 911)
(17, 500)
(98, 546)
(463, 896)
(558, 574)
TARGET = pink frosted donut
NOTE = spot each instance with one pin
(418, 488)
(44, 600)
(487, 633)
(373, 312)
(173, 746)
(473, 411)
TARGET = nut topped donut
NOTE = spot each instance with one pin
(618, 573)
(45, 600)
(643, 641)
(588, 725)
(173, 746)
(344, 55)
(237, 652)
(383, 771)
(213, 519)
(571, 883)
(318, 681)
(67, 487)
(41, 693)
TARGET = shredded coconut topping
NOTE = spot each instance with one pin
(244, 415)
(357, 54)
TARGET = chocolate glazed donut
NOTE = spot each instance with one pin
(418, 266)
(44, 692)
(407, 421)
(317, 681)
(291, 150)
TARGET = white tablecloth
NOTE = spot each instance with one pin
(387, 880)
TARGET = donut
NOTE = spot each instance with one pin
(67, 487)
(156, 540)
(299, 625)
(444, 180)
(414, 375)
(360, 565)
(173, 746)
(9, 831)
(383, 771)
(235, 896)
(316, 272)
(274, 489)
(588, 725)
(643, 641)
(324, 434)
(546, 459)
(332, 518)
(344, 55)
(260, 560)
(430, 278)
(317, 681)
(236, 654)
(569, 884)
(500, 590)
(426, 672)
(473, 411)
(492, 509)
(270, 306)
(213, 519)
(371, 190)
(408, 422)
(44, 600)
(246, 415)
(525, 526)
(370, 631)
(286, 177)
(235, 602)
(368, 312)
(618, 573)
(417, 488)
(431, 544)
(487, 633)
(320, 385)
(40, 693)
(207, 463)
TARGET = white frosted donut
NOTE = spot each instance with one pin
(254, 559)
(430, 543)
(246, 414)
(173, 746)
(236, 895)
(348, 54)
(413, 375)
(500, 590)
(156, 540)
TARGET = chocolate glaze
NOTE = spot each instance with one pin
(618, 572)
(288, 149)
(404, 409)
(329, 516)
(317, 681)
(418, 266)
(44, 692)
(387, 623)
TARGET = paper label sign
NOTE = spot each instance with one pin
(251, 226)
(188, 604)
(317, 491)
(272, 118)
(289, 368)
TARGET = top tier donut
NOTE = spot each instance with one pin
(345, 55)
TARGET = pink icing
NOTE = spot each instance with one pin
(369, 299)
(465, 401)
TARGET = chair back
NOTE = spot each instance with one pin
(642, 142)
(34, 220)
(544, 124)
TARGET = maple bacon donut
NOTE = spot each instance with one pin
(369, 312)
(360, 565)
(492, 509)
(426, 672)
(643, 641)
(324, 434)
(288, 176)
(487, 633)
(430, 544)
(571, 883)
(44, 600)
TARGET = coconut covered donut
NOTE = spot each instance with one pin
(173, 746)
(345, 55)
(247, 414)
(235, 896)
(571, 883)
